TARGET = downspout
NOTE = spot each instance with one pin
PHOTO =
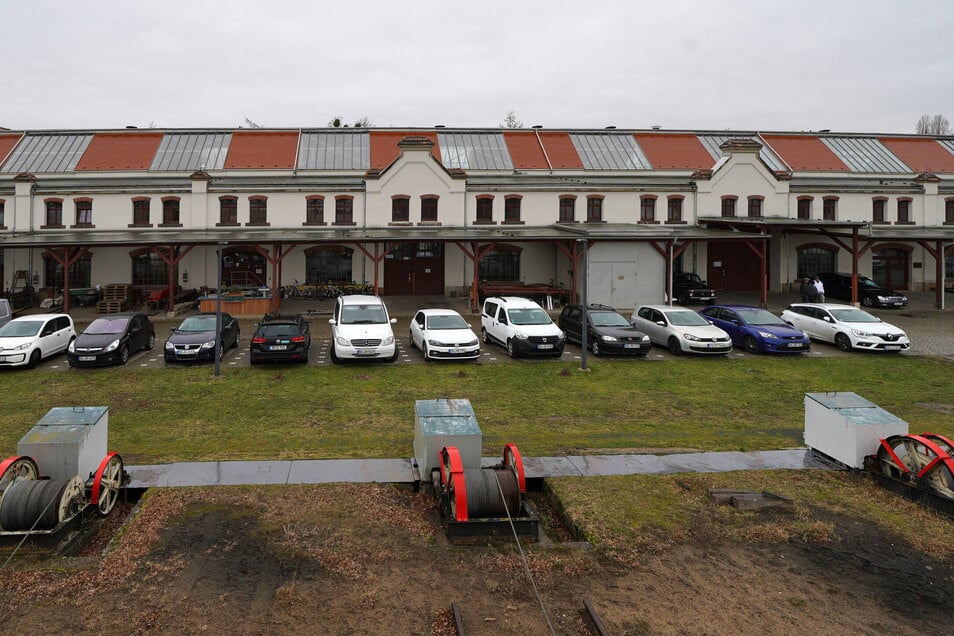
(536, 131)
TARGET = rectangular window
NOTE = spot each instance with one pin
(84, 212)
(258, 212)
(675, 211)
(647, 209)
(829, 209)
(344, 211)
(400, 210)
(755, 207)
(315, 212)
(54, 213)
(804, 208)
(429, 210)
(567, 210)
(728, 207)
(594, 210)
(228, 211)
(2, 224)
(512, 210)
(949, 211)
(170, 212)
(141, 212)
(485, 210)
(877, 211)
(904, 211)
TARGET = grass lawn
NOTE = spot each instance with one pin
(546, 408)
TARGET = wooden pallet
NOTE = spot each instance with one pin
(112, 306)
(117, 291)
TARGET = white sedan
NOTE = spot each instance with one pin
(846, 326)
(444, 334)
(681, 330)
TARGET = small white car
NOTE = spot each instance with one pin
(443, 334)
(846, 326)
(521, 326)
(26, 340)
(361, 329)
(681, 330)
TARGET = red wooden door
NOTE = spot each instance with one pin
(415, 269)
(733, 266)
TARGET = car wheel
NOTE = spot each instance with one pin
(394, 356)
(222, 351)
(34, 359)
(410, 339)
(425, 353)
(235, 342)
(124, 355)
(750, 344)
(483, 333)
(334, 355)
(596, 348)
(151, 342)
(510, 350)
(867, 301)
(842, 342)
(674, 347)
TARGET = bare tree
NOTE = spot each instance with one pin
(252, 124)
(338, 122)
(936, 125)
(511, 121)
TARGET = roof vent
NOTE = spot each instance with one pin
(439, 126)
(610, 128)
(537, 126)
(132, 127)
(657, 127)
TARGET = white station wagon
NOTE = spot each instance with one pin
(846, 326)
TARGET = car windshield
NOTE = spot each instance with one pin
(447, 322)
(529, 317)
(278, 331)
(759, 317)
(103, 326)
(867, 282)
(363, 315)
(686, 319)
(21, 328)
(853, 315)
(607, 319)
(198, 323)
(692, 278)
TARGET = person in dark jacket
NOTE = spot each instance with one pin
(806, 285)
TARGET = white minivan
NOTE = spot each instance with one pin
(520, 325)
(361, 329)
(26, 340)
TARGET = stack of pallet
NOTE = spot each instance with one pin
(116, 298)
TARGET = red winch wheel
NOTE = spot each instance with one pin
(919, 458)
(106, 483)
(452, 478)
(17, 467)
(512, 459)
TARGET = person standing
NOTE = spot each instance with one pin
(806, 285)
(820, 288)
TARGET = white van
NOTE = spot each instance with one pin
(520, 325)
(361, 329)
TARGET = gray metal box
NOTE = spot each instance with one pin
(846, 426)
(440, 423)
(68, 441)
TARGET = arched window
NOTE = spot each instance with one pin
(148, 269)
(816, 258)
(500, 264)
(329, 264)
(567, 209)
(79, 272)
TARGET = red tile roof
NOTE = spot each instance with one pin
(803, 152)
(678, 151)
(561, 150)
(525, 150)
(251, 150)
(120, 151)
(384, 146)
(921, 155)
(7, 142)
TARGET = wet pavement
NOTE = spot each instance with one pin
(240, 473)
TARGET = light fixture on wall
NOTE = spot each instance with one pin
(185, 276)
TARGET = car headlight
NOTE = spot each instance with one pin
(519, 335)
(112, 346)
(862, 334)
(72, 346)
(169, 346)
(387, 342)
(208, 345)
(609, 338)
(689, 336)
(472, 343)
(23, 347)
(767, 335)
(882, 299)
(645, 338)
(344, 342)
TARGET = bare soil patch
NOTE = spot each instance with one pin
(371, 559)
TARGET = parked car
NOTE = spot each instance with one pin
(26, 340)
(6, 311)
(846, 326)
(195, 339)
(361, 329)
(757, 330)
(608, 331)
(443, 334)
(110, 339)
(521, 326)
(681, 330)
(281, 338)
(688, 287)
(870, 293)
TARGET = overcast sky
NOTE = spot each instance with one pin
(853, 66)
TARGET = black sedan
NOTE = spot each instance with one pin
(110, 340)
(194, 339)
(609, 332)
(281, 338)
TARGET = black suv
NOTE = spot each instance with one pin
(870, 293)
(281, 338)
(687, 288)
(608, 331)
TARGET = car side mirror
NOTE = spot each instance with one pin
(661, 323)
(393, 321)
(332, 321)
(827, 318)
(736, 321)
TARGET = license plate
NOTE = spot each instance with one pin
(277, 348)
(365, 352)
(795, 345)
(892, 347)
(455, 351)
(630, 346)
(87, 358)
(545, 346)
(187, 354)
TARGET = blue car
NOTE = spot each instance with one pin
(757, 330)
